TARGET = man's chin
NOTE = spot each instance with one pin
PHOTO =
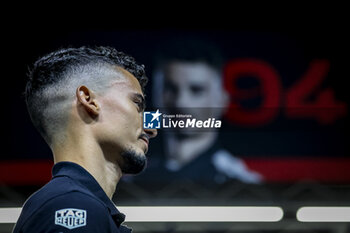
(133, 162)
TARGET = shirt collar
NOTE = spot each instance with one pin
(79, 174)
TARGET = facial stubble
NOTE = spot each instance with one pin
(133, 162)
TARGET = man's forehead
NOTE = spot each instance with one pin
(125, 78)
(195, 72)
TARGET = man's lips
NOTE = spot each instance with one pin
(145, 138)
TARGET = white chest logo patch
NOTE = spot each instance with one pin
(70, 218)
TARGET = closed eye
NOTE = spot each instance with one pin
(140, 105)
(140, 102)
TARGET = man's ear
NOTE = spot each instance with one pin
(88, 99)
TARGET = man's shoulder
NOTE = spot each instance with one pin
(55, 188)
(57, 197)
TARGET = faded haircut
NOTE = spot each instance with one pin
(53, 80)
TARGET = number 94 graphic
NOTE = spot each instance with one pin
(294, 101)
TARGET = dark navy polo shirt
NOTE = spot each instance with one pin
(71, 202)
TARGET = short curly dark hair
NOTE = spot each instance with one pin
(48, 69)
(51, 78)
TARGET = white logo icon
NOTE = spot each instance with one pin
(70, 218)
(151, 120)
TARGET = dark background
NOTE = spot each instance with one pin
(288, 52)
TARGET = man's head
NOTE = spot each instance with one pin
(104, 88)
(188, 79)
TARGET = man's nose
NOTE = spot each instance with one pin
(183, 99)
(152, 133)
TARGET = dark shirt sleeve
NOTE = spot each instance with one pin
(71, 212)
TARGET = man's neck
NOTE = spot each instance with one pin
(89, 155)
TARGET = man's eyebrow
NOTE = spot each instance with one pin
(142, 99)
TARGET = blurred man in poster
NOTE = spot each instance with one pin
(187, 80)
